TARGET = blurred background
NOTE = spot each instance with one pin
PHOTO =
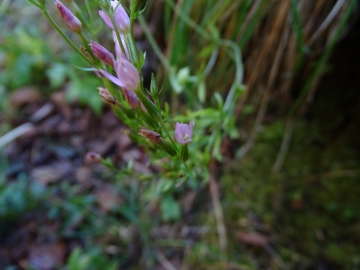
(287, 185)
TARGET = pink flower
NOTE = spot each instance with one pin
(118, 50)
(121, 18)
(127, 75)
(101, 53)
(71, 21)
(183, 133)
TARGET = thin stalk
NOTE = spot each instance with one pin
(47, 15)
(187, 20)
(117, 34)
(298, 33)
(154, 44)
(323, 59)
(238, 75)
(3, 5)
(131, 49)
(133, 46)
(81, 17)
(85, 42)
(226, 43)
(162, 124)
(90, 14)
(318, 69)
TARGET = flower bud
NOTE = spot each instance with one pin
(101, 53)
(106, 97)
(151, 135)
(71, 21)
(131, 98)
(121, 18)
(127, 73)
(92, 157)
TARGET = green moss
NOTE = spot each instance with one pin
(310, 209)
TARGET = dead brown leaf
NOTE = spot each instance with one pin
(47, 256)
(24, 96)
(107, 199)
(51, 173)
(58, 99)
(253, 239)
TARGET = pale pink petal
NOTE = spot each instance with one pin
(183, 129)
(128, 74)
(191, 126)
(177, 127)
(106, 19)
(178, 137)
(122, 19)
(112, 78)
(118, 50)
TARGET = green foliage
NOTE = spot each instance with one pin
(89, 259)
(204, 75)
(306, 205)
(82, 89)
(19, 197)
(25, 57)
(170, 209)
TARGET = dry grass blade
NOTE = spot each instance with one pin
(262, 59)
(214, 191)
(165, 262)
(336, 9)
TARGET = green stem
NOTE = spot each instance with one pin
(78, 13)
(117, 34)
(47, 15)
(187, 20)
(239, 74)
(85, 42)
(31, 1)
(89, 12)
(133, 48)
(162, 124)
(319, 65)
(154, 44)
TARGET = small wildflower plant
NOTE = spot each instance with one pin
(181, 146)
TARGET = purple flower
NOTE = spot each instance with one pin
(127, 75)
(183, 133)
(71, 21)
(101, 53)
(121, 18)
